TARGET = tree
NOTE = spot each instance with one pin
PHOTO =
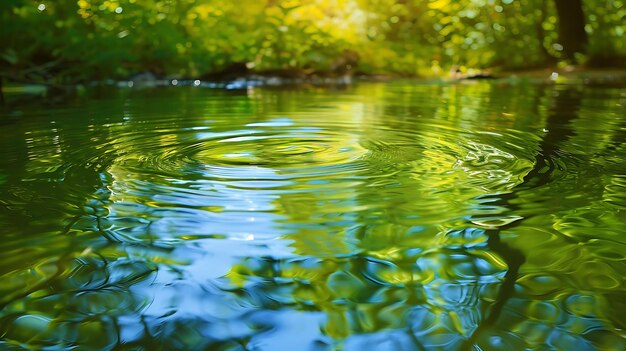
(572, 33)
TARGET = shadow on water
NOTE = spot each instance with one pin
(558, 130)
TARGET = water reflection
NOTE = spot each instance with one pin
(390, 216)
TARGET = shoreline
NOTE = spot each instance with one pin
(565, 75)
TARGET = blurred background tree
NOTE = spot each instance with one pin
(98, 39)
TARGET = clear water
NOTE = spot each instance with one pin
(395, 216)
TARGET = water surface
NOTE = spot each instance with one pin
(395, 216)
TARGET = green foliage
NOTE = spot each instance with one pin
(114, 38)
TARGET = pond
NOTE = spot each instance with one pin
(378, 216)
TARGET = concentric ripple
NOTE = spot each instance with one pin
(286, 150)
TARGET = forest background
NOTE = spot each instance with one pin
(72, 41)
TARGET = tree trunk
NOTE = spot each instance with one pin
(572, 33)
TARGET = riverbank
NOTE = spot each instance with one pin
(230, 81)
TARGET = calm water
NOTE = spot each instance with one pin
(397, 216)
